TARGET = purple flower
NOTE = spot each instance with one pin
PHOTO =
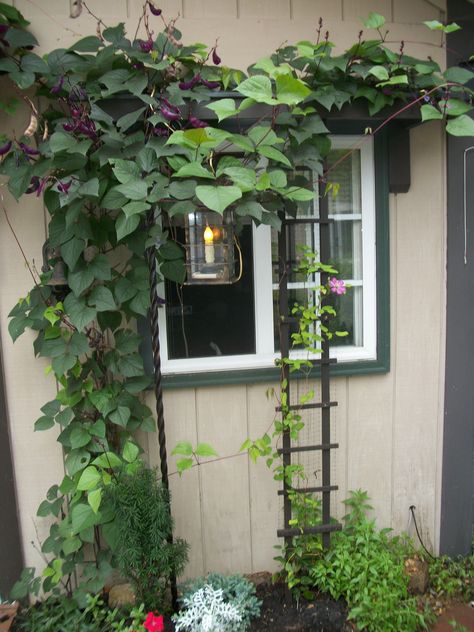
(77, 93)
(76, 113)
(195, 122)
(215, 57)
(427, 98)
(64, 186)
(161, 131)
(4, 149)
(146, 45)
(3, 29)
(138, 65)
(188, 85)
(34, 185)
(154, 10)
(69, 127)
(210, 84)
(29, 151)
(87, 127)
(337, 286)
(58, 86)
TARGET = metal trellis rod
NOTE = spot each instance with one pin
(158, 388)
(325, 405)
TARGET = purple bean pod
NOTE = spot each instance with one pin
(210, 84)
(154, 10)
(189, 85)
(4, 149)
(195, 122)
(146, 45)
(169, 115)
(215, 57)
(29, 151)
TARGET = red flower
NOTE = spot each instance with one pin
(154, 624)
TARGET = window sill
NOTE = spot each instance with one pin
(270, 374)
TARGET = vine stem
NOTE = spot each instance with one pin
(30, 270)
(383, 124)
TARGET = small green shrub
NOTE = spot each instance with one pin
(142, 533)
(298, 558)
(452, 578)
(236, 590)
(364, 566)
(62, 614)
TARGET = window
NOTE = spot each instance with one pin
(232, 328)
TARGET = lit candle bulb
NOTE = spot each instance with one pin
(209, 245)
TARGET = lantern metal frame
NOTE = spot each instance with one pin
(211, 247)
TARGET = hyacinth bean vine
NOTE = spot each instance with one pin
(101, 177)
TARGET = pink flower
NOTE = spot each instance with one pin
(154, 624)
(337, 286)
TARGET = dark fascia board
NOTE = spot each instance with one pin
(354, 116)
(357, 111)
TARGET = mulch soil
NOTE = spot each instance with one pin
(462, 613)
(279, 613)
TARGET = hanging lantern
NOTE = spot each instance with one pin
(53, 263)
(210, 247)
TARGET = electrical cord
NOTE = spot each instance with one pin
(412, 509)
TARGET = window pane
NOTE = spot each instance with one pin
(346, 248)
(301, 296)
(348, 317)
(213, 320)
(297, 236)
(345, 236)
(347, 175)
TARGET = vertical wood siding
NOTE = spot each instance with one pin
(388, 426)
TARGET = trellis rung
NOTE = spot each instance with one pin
(308, 448)
(307, 220)
(309, 490)
(323, 528)
(308, 406)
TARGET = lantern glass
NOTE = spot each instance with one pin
(209, 244)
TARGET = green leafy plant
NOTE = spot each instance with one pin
(110, 181)
(365, 567)
(452, 578)
(236, 590)
(62, 614)
(141, 539)
(458, 627)
(297, 560)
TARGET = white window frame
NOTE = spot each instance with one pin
(265, 356)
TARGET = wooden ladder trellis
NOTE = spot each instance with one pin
(325, 403)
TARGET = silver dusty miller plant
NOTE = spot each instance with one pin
(206, 611)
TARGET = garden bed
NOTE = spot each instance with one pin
(279, 613)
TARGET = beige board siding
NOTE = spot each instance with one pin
(420, 288)
(360, 9)
(417, 11)
(37, 458)
(387, 426)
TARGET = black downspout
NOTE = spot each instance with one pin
(11, 558)
(458, 441)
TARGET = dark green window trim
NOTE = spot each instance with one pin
(382, 363)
